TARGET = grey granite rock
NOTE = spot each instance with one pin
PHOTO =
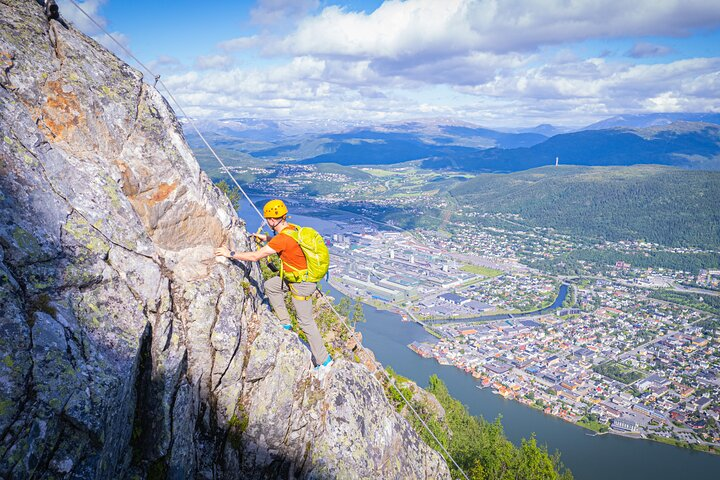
(126, 350)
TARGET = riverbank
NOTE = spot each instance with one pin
(509, 393)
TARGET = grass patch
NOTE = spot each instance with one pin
(707, 303)
(377, 172)
(593, 425)
(698, 447)
(432, 332)
(619, 372)
(478, 270)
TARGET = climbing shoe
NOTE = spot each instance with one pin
(287, 326)
(325, 365)
(320, 371)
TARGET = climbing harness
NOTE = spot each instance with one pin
(296, 295)
(227, 170)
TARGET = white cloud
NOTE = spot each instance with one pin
(394, 30)
(564, 93)
(611, 86)
(209, 62)
(421, 28)
(167, 60)
(488, 60)
(240, 43)
(297, 89)
(471, 69)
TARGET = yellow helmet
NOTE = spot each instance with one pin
(275, 209)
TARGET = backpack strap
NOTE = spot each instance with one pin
(294, 234)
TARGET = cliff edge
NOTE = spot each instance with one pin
(126, 350)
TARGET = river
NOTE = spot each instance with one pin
(589, 457)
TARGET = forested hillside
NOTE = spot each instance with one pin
(480, 447)
(658, 204)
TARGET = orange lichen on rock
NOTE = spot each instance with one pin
(61, 112)
(163, 191)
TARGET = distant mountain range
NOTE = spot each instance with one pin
(688, 140)
(653, 120)
(681, 144)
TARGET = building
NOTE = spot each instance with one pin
(553, 360)
(645, 410)
(454, 298)
(624, 425)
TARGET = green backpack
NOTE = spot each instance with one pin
(316, 255)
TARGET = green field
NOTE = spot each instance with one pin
(593, 425)
(619, 372)
(707, 303)
(478, 270)
(377, 172)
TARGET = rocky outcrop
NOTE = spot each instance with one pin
(125, 348)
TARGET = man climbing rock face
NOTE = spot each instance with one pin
(294, 277)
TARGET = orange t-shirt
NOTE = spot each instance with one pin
(289, 251)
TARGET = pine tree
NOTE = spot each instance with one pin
(358, 313)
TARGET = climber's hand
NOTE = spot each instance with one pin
(263, 237)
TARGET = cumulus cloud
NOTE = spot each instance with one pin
(489, 61)
(560, 93)
(613, 87)
(645, 49)
(300, 89)
(472, 69)
(417, 28)
(207, 62)
(240, 43)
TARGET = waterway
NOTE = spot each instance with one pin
(562, 293)
(589, 457)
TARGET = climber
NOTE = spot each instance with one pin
(293, 277)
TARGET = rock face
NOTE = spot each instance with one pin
(125, 349)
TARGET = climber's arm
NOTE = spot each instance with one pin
(265, 251)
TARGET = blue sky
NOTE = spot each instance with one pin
(498, 63)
